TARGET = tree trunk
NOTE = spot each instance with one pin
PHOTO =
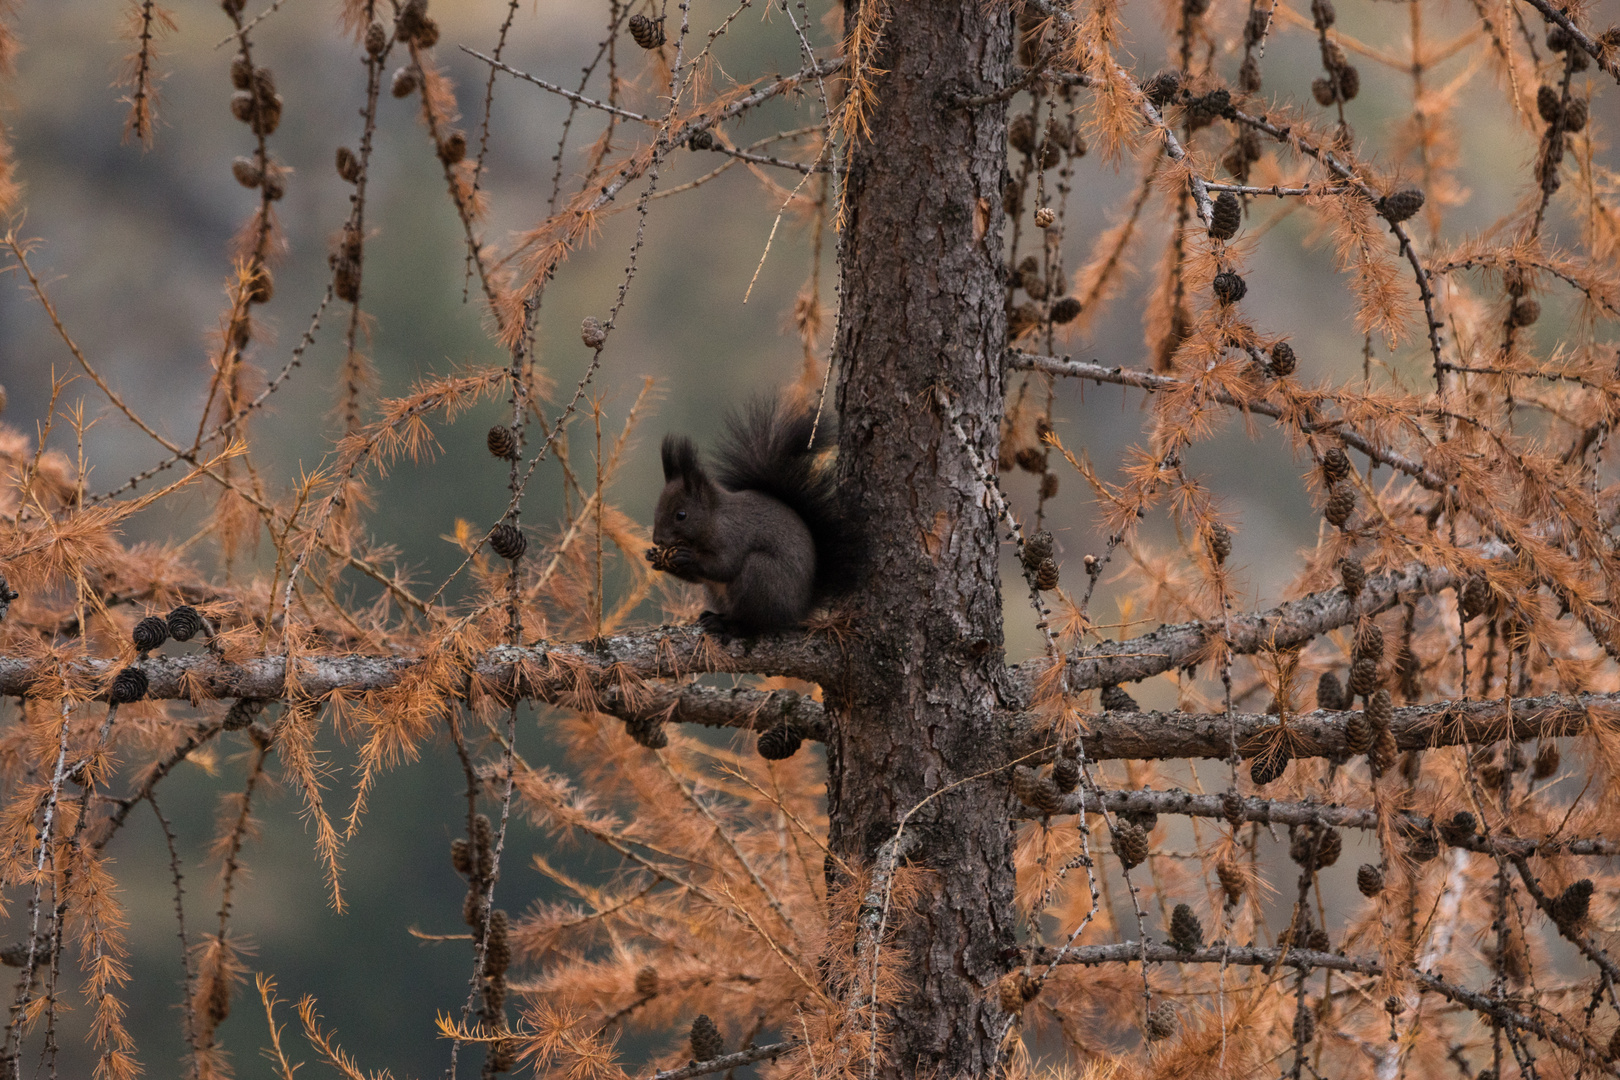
(922, 312)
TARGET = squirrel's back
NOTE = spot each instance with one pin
(767, 448)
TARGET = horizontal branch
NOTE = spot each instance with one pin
(1144, 380)
(1500, 1009)
(729, 1061)
(549, 672)
(1285, 812)
(738, 707)
(1149, 735)
(1285, 626)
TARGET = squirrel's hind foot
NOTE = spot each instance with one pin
(712, 622)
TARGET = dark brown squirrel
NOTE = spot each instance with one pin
(766, 535)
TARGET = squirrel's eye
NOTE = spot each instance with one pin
(680, 515)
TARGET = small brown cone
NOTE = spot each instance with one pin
(1369, 879)
(1162, 1022)
(647, 981)
(1130, 844)
(707, 1043)
(1340, 505)
(1231, 879)
(1186, 932)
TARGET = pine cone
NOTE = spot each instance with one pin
(1304, 1025)
(1147, 820)
(1526, 310)
(1459, 829)
(706, 1041)
(1380, 710)
(1047, 798)
(1220, 542)
(185, 623)
(1329, 694)
(1341, 504)
(453, 148)
(1571, 905)
(150, 633)
(1475, 597)
(1315, 849)
(1186, 932)
(1232, 808)
(1268, 767)
(1231, 879)
(1065, 310)
(647, 731)
(1010, 992)
(1283, 360)
(242, 713)
(1369, 879)
(1546, 760)
(1021, 133)
(779, 742)
(1574, 114)
(1066, 774)
(404, 82)
(1349, 87)
(1363, 676)
(1384, 751)
(348, 165)
(647, 981)
(128, 685)
(461, 856)
(1024, 782)
(1335, 465)
(376, 39)
(1115, 699)
(1549, 104)
(508, 541)
(1401, 204)
(1370, 642)
(1353, 576)
(591, 332)
(497, 951)
(1358, 733)
(1130, 844)
(649, 34)
(1046, 575)
(502, 443)
(1225, 217)
(1229, 287)
(1037, 549)
(1162, 1022)
(1423, 848)
(1162, 88)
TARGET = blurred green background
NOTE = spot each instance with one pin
(134, 248)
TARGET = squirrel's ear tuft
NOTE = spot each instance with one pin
(681, 460)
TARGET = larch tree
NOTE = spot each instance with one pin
(995, 864)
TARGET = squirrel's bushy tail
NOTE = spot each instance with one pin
(767, 449)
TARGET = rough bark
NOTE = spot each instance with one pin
(922, 337)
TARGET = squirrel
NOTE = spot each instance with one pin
(767, 535)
